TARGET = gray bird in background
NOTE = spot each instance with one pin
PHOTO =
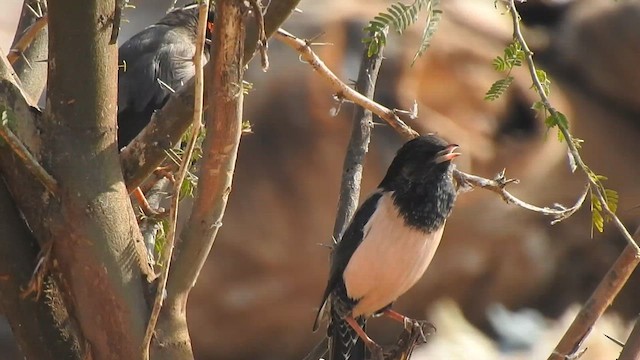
(153, 64)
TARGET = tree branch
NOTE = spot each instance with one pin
(342, 89)
(169, 123)
(203, 11)
(41, 326)
(498, 184)
(29, 35)
(30, 48)
(595, 188)
(304, 48)
(631, 349)
(30, 162)
(215, 175)
(599, 301)
(97, 244)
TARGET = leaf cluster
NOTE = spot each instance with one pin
(399, 17)
(512, 57)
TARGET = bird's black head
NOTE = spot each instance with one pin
(187, 16)
(421, 182)
(424, 159)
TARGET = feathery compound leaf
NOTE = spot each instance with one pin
(557, 119)
(597, 220)
(544, 81)
(498, 88)
(611, 196)
(429, 30)
(398, 17)
(513, 56)
(500, 64)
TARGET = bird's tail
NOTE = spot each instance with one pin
(344, 342)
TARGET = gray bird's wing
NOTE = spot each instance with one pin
(157, 54)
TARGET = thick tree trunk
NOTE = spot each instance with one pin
(40, 326)
(96, 241)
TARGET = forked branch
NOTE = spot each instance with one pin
(390, 116)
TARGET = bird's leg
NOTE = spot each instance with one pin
(375, 349)
(138, 193)
(410, 324)
(165, 172)
(142, 201)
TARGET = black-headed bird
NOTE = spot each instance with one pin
(152, 64)
(388, 245)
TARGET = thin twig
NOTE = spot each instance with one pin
(569, 346)
(319, 350)
(215, 173)
(498, 184)
(517, 34)
(344, 91)
(29, 160)
(167, 253)
(358, 145)
(18, 49)
(258, 15)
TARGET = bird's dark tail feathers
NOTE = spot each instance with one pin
(344, 342)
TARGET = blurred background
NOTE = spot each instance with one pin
(504, 284)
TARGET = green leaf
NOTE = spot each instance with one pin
(498, 88)
(4, 117)
(611, 197)
(432, 25)
(500, 64)
(399, 17)
(544, 81)
(557, 119)
(538, 106)
(597, 221)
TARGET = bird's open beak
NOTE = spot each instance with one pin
(449, 153)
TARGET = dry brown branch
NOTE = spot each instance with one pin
(598, 302)
(25, 40)
(498, 184)
(31, 66)
(261, 45)
(30, 162)
(631, 348)
(203, 11)
(344, 91)
(215, 175)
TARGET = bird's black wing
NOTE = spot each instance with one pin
(152, 64)
(346, 247)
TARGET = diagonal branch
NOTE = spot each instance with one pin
(599, 301)
(215, 176)
(29, 49)
(342, 89)
(30, 162)
(167, 252)
(19, 47)
(306, 53)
